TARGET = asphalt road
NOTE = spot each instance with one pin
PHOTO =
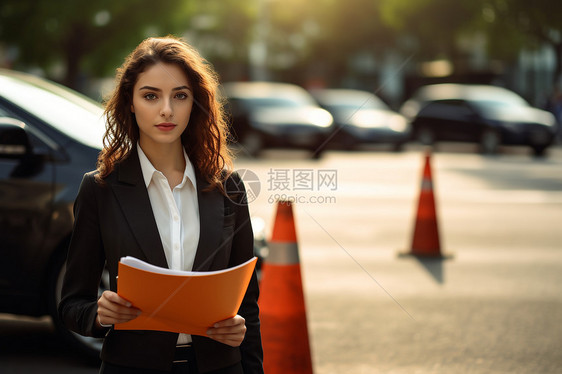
(495, 306)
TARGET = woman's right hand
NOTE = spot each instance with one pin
(113, 309)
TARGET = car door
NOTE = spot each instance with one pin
(451, 120)
(26, 196)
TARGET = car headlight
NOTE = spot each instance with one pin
(398, 123)
(320, 117)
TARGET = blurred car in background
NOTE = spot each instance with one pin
(360, 117)
(267, 115)
(49, 137)
(488, 115)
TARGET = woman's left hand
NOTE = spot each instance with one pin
(230, 331)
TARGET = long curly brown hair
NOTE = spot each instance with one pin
(205, 139)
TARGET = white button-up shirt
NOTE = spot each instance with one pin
(177, 215)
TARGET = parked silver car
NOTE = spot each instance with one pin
(266, 115)
(360, 117)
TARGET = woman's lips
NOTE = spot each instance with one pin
(166, 126)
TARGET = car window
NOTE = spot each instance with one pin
(354, 102)
(267, 102)
(491, 107)
(70, 113)
(447, 109)
(40, 143)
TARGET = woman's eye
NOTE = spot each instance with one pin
(150, 96)
(181, 96)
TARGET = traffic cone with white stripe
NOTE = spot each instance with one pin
(425, 240)
(284, 327)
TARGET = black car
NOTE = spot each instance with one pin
(49, 137)
(266, 115)
(360, 117)
(488, 115)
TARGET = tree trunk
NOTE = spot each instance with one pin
(74, 47)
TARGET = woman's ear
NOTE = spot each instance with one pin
(132, 108)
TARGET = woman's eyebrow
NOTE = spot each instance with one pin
(158, 89)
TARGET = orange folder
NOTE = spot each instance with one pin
(180, 301)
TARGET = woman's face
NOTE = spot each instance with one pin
(162, 102)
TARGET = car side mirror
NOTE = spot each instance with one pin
(14, 141)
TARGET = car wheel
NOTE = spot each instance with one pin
(347, 141)
(398, 147)
(490, 141)
(316, 154)
(87, 346)
(539, 150)
(252, 143)
(425, 136)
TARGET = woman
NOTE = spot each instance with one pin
(159, 194)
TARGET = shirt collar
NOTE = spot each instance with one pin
(148, 169)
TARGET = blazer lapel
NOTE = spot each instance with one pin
(132, 195)
(211, 217)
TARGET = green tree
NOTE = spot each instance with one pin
(222, 31)
(509, 26)
(436, 24)
(89, 37)
(513, 24)
(321, 37)
(350, 28)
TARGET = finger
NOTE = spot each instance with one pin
(110, 318)
(234, 321)
(116, 309)
(227, 330)
(111, 312)
(231, 335)
(113, 302)
(115, 298)
(118, 315)
(126, 315)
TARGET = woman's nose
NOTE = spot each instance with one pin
(166, 111)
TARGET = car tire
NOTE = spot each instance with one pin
(539, 150)
(347, 141)
(88, 347)
(490, 141)
(398, 147)
(316, 154)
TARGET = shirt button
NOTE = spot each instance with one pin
(176, 218)
(176, 246)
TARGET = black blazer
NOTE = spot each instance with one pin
(116, 220)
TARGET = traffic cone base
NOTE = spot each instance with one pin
(283, 318)
(439, 256)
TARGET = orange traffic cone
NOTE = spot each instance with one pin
(282, 309)
(425, 241)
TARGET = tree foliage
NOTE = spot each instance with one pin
(514, 24)
(323, 36)
(509, 25)
(91, 38)
(85, 36)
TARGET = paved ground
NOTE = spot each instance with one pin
(494, 307)
(475, 313)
